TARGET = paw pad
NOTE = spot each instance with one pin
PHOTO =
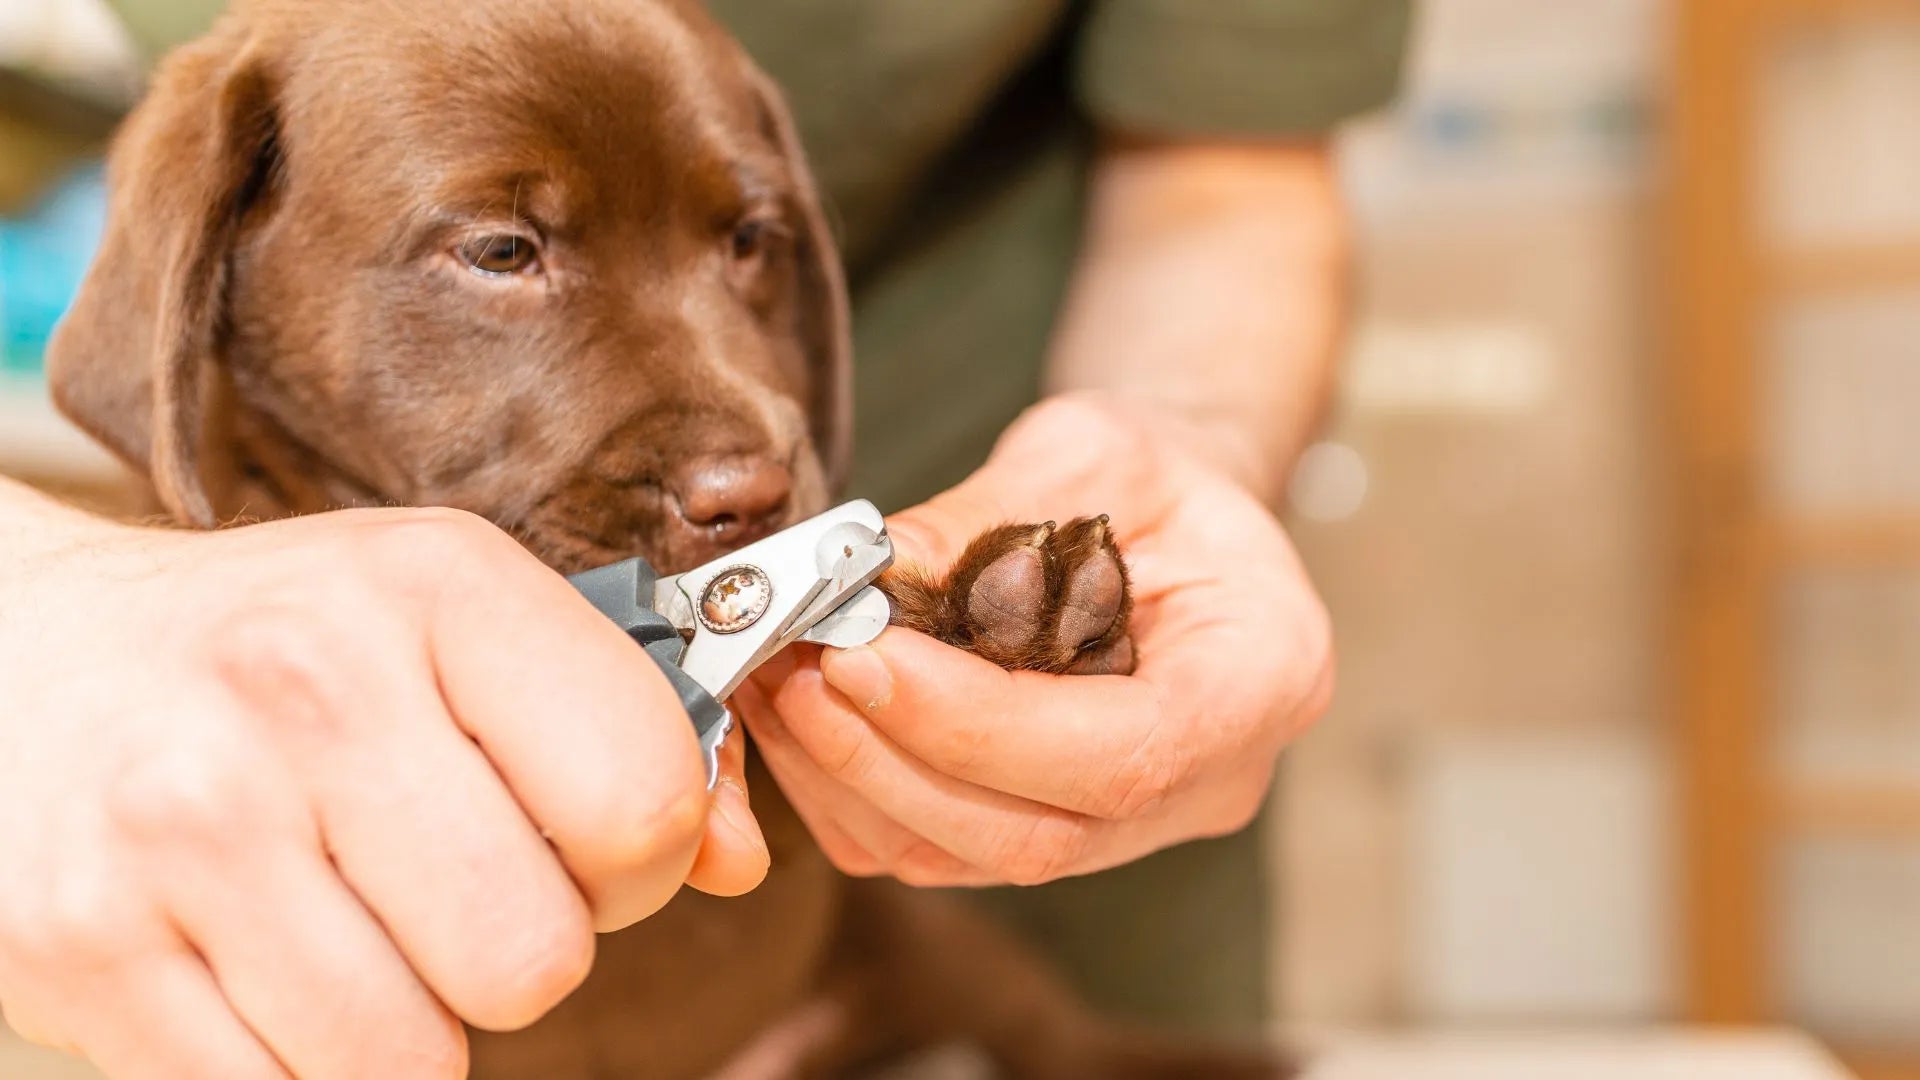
(1032, 597)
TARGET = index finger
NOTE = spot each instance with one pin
(581, 726)
(1103, 746)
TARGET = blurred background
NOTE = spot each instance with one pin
(1619, 518)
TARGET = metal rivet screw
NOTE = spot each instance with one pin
(735, 599)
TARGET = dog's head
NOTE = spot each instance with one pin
(558, 262)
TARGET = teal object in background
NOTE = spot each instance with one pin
(43, 256)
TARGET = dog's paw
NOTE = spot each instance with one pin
(1029, 597)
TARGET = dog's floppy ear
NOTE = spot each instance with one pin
(825, 321)
(132, 362)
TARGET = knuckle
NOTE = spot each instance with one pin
(1323, 662)
(850, 860)
(444, 531)
(1313, 638)
(1139, 784)
(1314, 706)
(558, 957)
(278, 658)
(179, 795)
(635, 827)
(844, 759)
(1296, 696)
(447, 518)
(75, 922)
(453, 1062)
(925, 866)
(1053, 848)
(439, 538)
(80, 933)
(1241, 809)
(958, 748)
(857, 865)
(437, 1051)
(920, 877)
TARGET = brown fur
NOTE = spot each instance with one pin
(283, 319)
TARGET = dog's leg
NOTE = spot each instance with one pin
(1032, 597)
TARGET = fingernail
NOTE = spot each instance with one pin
(861, 675)
(731, 805)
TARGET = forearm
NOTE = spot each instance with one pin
(1212, 286)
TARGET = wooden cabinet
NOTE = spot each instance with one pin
(1793, 381)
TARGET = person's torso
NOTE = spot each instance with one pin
(945, 145)
(883, 89)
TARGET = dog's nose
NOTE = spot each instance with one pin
(738, 498)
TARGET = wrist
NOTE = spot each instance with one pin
(1218, 440)
(1248, 458)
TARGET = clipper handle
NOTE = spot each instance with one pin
(623, 592)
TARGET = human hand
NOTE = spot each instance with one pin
(913, 759)
(292, 798)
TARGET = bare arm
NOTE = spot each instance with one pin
(1213, 282)
(32, 525)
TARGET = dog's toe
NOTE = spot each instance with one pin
(1031, 597)
(1009, 585)
(1090, 620)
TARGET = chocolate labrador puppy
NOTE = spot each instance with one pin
(560, 263)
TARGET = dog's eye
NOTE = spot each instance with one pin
(757, 238)
(499, 255)
(750, 239)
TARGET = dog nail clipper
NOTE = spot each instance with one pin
(710, 627)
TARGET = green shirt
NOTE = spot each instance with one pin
(951, 138)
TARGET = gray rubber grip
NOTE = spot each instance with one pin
(623, 592)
